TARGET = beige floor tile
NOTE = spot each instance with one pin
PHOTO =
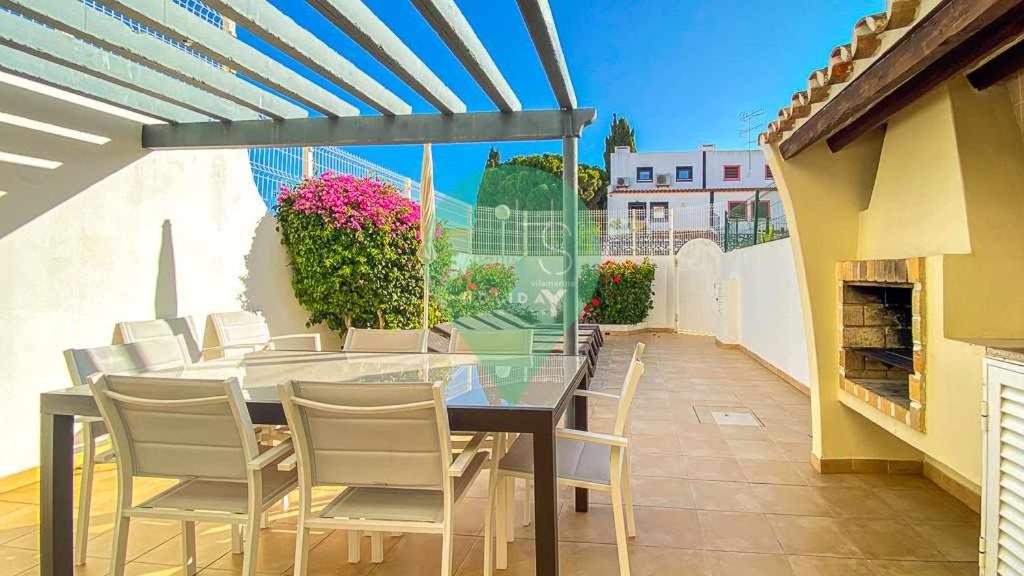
(957, 542)
(905, 568)
(16, 560)
(755, 450)
(595, 526)
(812, 535)
(888, 539)
(143, 535)
(725, 496)
(662, 492)
(795, 451)
(782, 499)
(852, 502)
(654, 444)
(212, 542)
(734, 563)
(276, 551)
(711, 468)
(17, 520)
(419, 555)
(737, 532)
(771, 472)
(329, 555)
(962, 568)
(927, 504)
(664, 465)
(651, 561)
(469, 516)
(667, 528)
(825, 566)
(713, 447)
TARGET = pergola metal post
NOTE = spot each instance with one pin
(570, 311)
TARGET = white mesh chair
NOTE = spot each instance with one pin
(242, 332)
(585, 459)
(139, 330)
(491, 341)
(388, 446)
(153, 354)
(372, 340)
(197, 431)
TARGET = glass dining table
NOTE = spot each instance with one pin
(493, 393)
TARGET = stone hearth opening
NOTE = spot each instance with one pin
(882, 351)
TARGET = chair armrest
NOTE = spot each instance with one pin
(596, 394)
(288, 464)
(458, 467)
(586, 436)
(310, 342)
(271, 456)
(251, 347)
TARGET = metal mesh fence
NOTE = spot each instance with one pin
(759, 219)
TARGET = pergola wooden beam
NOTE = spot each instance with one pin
(451, 25)
(27, 66)
(945, 42)
(173, 21)
(50, 44)
(362, 25)
(541, 25)
(112, 34)
(998, 68)
(277, 29)
(373, 130)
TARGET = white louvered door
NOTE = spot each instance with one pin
(1003, 510)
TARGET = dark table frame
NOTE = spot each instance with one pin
(56, 474)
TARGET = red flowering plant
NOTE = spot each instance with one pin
(480, 288)
(623, 292)
(352, 246)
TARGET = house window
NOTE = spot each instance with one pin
(764, 211)
(768, 173)
(737, 210)
(659, 211)
(637, 211)
(731, 172)
(684, 173)
(645, 174)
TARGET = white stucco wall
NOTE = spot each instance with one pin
(117, 234)
(761, 306)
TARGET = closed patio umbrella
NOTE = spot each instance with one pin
(426, 251)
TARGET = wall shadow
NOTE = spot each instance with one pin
(165, 298)
(31, 191)
(267, 287)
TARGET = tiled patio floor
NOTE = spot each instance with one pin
(711, 499)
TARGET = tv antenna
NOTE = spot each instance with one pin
(753, 122)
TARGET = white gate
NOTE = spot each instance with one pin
(697, 266)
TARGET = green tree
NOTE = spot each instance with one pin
(534, 182)
(620, 133)
(493, 158)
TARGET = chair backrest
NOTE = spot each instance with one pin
(159, 353)
(491, 341)
(369, 434)
(176, 427)
(629, 386)
(139, 330)
(239, 328)
(373, 340)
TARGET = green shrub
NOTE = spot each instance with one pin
(352, 246)
(481, 288)
(624, 292)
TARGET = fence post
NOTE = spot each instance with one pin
(632, 226)
(526, 232)
(725, 235)
(307, 162)
(757, 208)
(671, 231)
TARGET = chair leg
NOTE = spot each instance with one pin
(528, 503)
(627, 497)
(301, 550)
(188, 547)
(501, 526)
(377, 547)
(85, 493)
(236, 537)
(119, 554)
(252, 545)
(447, 535)
(510, 509)
(489, 515)
(619, 516)
(353, 546)
(264, 519)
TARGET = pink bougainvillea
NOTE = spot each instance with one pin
(352, 203)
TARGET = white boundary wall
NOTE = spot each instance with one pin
(760, 306)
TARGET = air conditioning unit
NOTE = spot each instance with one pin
(662, 179)
(622, 181)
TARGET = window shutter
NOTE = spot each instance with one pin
(1003, 521)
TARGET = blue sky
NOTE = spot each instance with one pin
(680, 71)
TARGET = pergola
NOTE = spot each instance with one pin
(187, 68)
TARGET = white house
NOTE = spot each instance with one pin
(646, 185)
